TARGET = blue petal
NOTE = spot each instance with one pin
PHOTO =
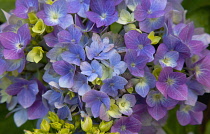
(26, 98)
(20, 117)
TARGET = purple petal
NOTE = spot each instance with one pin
(13, 54)
(142, 89)
(178, 92)
(157, 112)
(151, 24)
(95, 108)
(26, 98)
(37, 110)
(67, 21)
(73, 6)
(183, 117)
(24, 34)
(9, 40)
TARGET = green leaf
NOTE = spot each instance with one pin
(6, 5)
(115, 27)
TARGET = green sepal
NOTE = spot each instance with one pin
(53, 117)
(56, 125)
(45, 126)
(35, 55)
(39, 27)
(32, 18)
(105, 126)
(87, 124)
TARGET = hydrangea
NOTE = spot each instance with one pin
(103, 66)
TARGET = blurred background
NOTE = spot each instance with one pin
(198, 11)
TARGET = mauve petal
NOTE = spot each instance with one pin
(15, 88)
(9, 40)
(168, 102)
(180, 78)
(161, 50)
(26, 98)
(196, 47)
(13, 54)
(164, 74)
(183, 118)
(187, 32)
(156, 14)
(24, 34)
(191, 98)
(21, 11)
(178, 92)
(131, 42)
(140, 12)
(196, 118)
(199, 107)
(157, 112)
(37, 110)
(41, 15)
(162, 87)
(20, 117)
(51, 40)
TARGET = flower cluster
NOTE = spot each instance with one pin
(118, 66)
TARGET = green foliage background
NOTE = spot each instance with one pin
(198, 11)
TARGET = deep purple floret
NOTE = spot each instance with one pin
(191, 114)
(172, 84)
(150, 14)
(102, 12)
(127, 125)
(23, 7)
(135, 63)
(25, 90)
(15, 43)
(94, 100)
(140, 43)
(158, 104)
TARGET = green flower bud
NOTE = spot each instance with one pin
(45, 126)
(35, 55)
(39, 27)
(53, 117)
(56, 125)
(64, 131)
(156, 71)
(27, 132)
(49, 29)
(69, 126)
(87, 124)
(130, 90)
(32, 18)
(105, 126)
